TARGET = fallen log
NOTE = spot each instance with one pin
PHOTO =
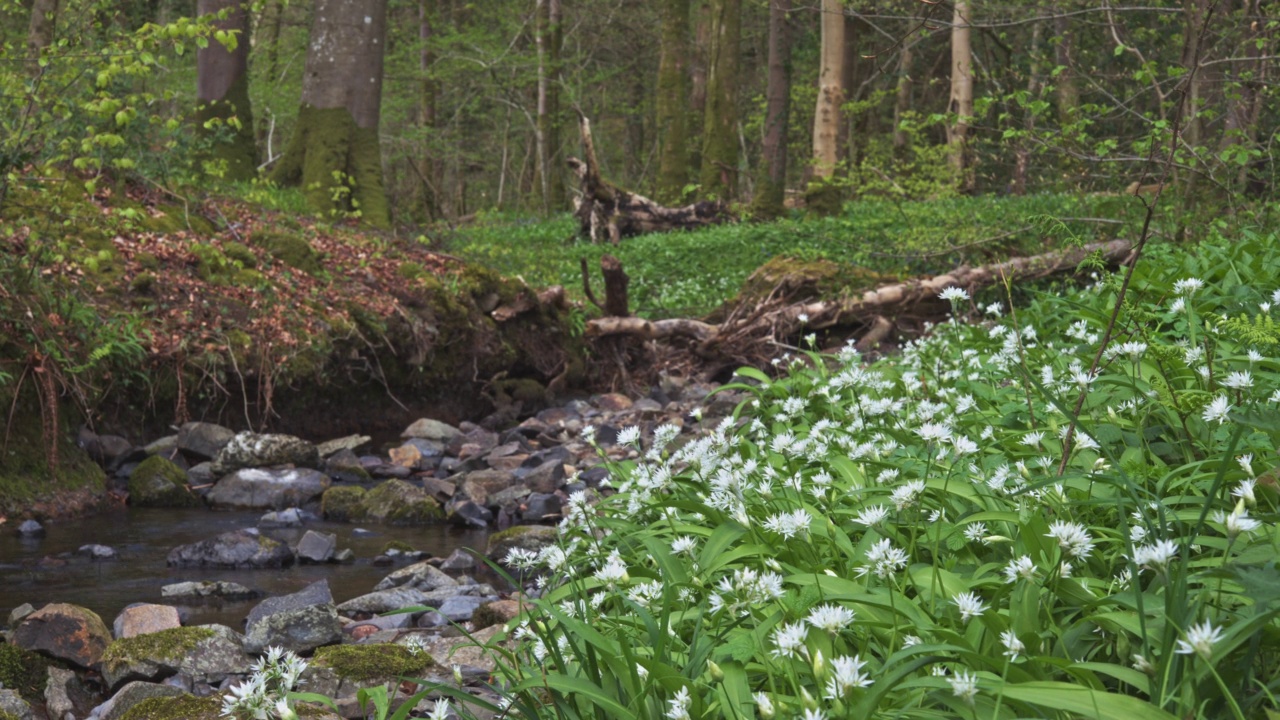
(607, 212)
(749, 336)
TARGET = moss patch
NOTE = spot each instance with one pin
(23, 671)
(25, 476)
(157, 482)
(372, 662)
(231, 145)
(328, 141)
(398, 503)
(292, 250)
(182, 707)
(343, 503)
(168, 644)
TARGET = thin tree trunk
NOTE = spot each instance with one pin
(548, 35)
(1064, 56)
(902, 99)
(41, 30)
(1194, 12)
(1022, 152)
(223, 114)
(269, 37)
(671, 102)
(771, 187)
(719, 176)
(427, 165)
(961, 96)
(823, 196)
(846, 140)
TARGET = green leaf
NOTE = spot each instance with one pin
(1074, 699)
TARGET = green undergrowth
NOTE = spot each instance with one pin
(691, 273)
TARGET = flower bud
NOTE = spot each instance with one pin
(807, 700)
(716, 673)
(819, 665)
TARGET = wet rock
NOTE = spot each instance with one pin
(158, 482)
(526, 537)
(302, 621)
(235, 549)
(17, 614)
(143, 618)
(459, 561)
(348, 443)
(207, 590)
(345, 466)
(13, 706)
(541, 505)
(165, 446)
(381, 601)
(289, 517)
(397, 502)
(421, 576)
(254, 488)
(99, 552)
(465, 513)
(317, 547)
(66, 632)
(205, 653)
(344, 555)
(65, 694)
(508, 498)
(428, 448)
(203, 440)
(377, 624)
(31, 528)
(473, 443)
(594, 476)
(478, 485)
(428, 429)
(252, 450)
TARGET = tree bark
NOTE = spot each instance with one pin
(1064, 57)
(1022, 150)
(719, 176)
(902, 99)
(823, 196)
(548, 36)
(223, 113)
(1244, 99)
(334, 151)
(427, 165)
(961, 105)
(772, 183)
(40, 31)
(671, 102)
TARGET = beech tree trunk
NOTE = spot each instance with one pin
(40, 31)
(1063, 56)
(719, 176)
(961, 96)
(902, 99)
(1244, 99)
(334, 152)
(224, 116)
(671, 102)
(549, 35)
(823, 197)
(427, 165)
(1022, 151)
(771, 187)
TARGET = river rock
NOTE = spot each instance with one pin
(428, 429)
(207, 590)
(66, 632)
(252, 450)
(289, 517)
(465, 513)
(459, 560)
(525, 537)
(302, 621)
(480, 484)
(99, 552)
(64, 694)
(203, 440)
(340, 672)
(235, 549)
(382, 601)
(254, 488)
(316, 547)
(167, 705)
(440, 489)
(421, 576)
(205, 654)
(473, 651)
(497, 612)
(345, 466)
(132, 694)
(397, 502)
(143, 618)
(160, 483)
(539, 505)
(13, 706)
(348, 443)
(460, 608)
(17, 614)
(31, 528)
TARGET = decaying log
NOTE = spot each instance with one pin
(615, 286)
(750, 336)
(606, 212)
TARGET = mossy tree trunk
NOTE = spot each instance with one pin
(902, 98)
(671, 102)
(334, 152)
(771, 187)
(224, 117)
(719, 176)
(823, 195)
(549, 37)
(1063, 53)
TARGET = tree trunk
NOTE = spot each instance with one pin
(902, 100)
(334, 152)
(427, 165)
(269, 36)
(771, 187)
(671, 102)
(1244, 99)
(847, 140)
(961, 96)
(1064, 53)
(40, 32)
(719, 176)
(823, 196)
(1194, 13)
(1022, 151)
(548, 35)
(223, 114)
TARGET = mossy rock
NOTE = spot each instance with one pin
(212, 265)
(525, 537)
(364, 663)
(158, 482)
(169, 644)
(182, 707)
(411, 270)
(343, 503)
(399, 546)
(241, 254)
(148, 261)
(24, 671)
(292, 250)
(143, 283)
(824, 198)
(396, 502)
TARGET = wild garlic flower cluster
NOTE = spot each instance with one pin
(264, 695)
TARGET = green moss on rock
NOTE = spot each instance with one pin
(372, 662)
(170, 644)
(157, 482)
(241, 254)
(342, 503)
(23, 671)
(292, 250)
(181, 707)
(396, 502)
(143, 283)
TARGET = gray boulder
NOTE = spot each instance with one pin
(65, 693)
(348, 443)
(203, 440)
(12, 705)
(253, 488)
(30, 528)
(98, 552)
(205, 653)
(460, 608)
(289, 517)
(252, 450)
(132, 694)
(207, 590)
(317, 547)
(428, 429)
(382, 601)
(235, 549)
(420, 576)
(302, 621)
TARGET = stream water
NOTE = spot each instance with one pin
(143, 539)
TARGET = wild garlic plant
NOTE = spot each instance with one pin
(265, 695)
(906, 537)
